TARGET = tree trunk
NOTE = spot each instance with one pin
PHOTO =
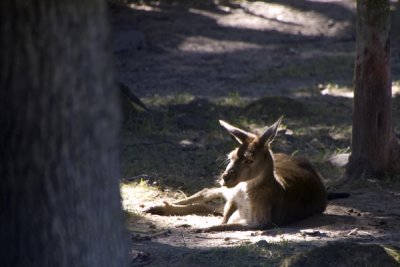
(59, 194)
(374, 147)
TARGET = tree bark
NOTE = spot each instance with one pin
(59, 126)
(375, 149)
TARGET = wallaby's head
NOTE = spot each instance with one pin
(252, 158)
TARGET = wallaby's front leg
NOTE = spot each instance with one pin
(229, 209)
(203, 196)
(195, 204)
(173, 209)
(260, 219)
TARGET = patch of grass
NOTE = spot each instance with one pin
(334, 67)
(232, 99)
(137, 189)
(180, 141)
(165, 100)
(270, 109)
(391, 178)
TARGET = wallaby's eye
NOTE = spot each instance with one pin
(248, 161)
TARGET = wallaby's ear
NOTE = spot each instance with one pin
(240, 135)
(270, 132)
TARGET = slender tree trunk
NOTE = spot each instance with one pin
(374, 144)
(59, 121)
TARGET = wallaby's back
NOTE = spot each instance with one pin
(303, 193)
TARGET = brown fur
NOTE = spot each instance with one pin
(261, 188)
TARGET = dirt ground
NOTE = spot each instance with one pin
(247, 62)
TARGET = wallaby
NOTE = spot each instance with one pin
(261, 188)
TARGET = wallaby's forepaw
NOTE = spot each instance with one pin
(158, 209)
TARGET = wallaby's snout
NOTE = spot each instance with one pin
(228, 177)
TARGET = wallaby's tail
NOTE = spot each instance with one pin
(337, 195)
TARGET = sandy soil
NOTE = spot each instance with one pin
(370, 215)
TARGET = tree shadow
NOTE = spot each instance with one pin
(161, 251)
(228, 56)
(171, 34)
(162, 254)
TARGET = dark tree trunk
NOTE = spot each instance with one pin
(375, 148)
(59, 165)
